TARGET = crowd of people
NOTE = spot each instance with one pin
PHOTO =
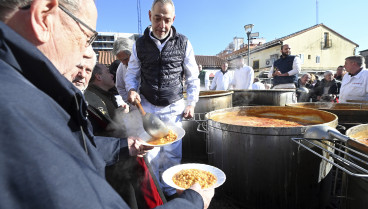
(241, 78)
(348, 83)
(55, 148)
(60, 144)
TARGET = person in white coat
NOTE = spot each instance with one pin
(354, 84)
(121, 50)
(204, 79)
(243, 75)
(222, 79)
(257, 85)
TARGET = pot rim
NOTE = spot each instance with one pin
(266, 130)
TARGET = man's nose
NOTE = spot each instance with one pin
(82, 73)
(162, 24)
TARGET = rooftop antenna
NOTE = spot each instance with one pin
(317, 22)
(139, 17)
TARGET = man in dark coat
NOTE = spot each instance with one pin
(48, 156)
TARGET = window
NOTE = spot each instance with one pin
(309, 56)
(326, 40)
(256, 64)
(318, 59)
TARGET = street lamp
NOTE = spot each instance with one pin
(248, 30)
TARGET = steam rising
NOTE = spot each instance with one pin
(127, 124)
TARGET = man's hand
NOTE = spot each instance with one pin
(125, 106)
(206, 194)
(276, 73)
(188, 112)
(133, 96)
(136, 148)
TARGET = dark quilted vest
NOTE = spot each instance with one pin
(162, 73)
(285, 65)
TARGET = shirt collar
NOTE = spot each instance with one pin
(158, 41)
(357, 75)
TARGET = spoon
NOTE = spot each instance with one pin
(152, 124)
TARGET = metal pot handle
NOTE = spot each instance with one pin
(202, 124)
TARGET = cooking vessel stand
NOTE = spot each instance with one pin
(339, 152)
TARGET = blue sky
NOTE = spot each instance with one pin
(211, 25)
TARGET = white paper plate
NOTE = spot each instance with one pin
(169, 173)
(178, 130)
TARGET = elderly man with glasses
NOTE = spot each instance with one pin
(48, 156)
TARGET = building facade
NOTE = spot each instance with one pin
(319, 47)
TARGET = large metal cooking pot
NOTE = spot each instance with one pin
(194, 142)
(349, 114)
(270, 97)
(264, 168)
(357, 187)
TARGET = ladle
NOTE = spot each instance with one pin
(323, 132)
(152, 124)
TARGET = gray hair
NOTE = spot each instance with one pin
(121, 45)
(357, 58)
(97, 70)
(163, 2)
(328, 72)
(8, 6)
(306, 74)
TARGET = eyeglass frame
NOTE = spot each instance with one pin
(95, 33)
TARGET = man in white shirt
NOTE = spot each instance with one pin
(122, 53)
(159, 60)
(285, 70)
(223, 79)
(354, 84)
(257, 85)
(243, 75)
(204, 79)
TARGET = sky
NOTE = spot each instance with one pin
(211, 25)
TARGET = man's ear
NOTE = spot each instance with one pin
(149, 15)
(43, 15)
(98, 76)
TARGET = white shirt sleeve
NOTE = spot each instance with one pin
(191, 75)
(120, 83)
(132, 76)
(207, 81)
(250, 77)
(270, 72)
(296, 66)
(214, 81)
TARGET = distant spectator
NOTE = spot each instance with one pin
(303, 88)
(328, 88)
(204, 79)
(243, 75)
(340, 72)
(304, 81)
(285, 70)
(257, 85)
(222, 79)
(121, 50)
(355, 83)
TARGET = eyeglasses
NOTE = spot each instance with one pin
(95, 33)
